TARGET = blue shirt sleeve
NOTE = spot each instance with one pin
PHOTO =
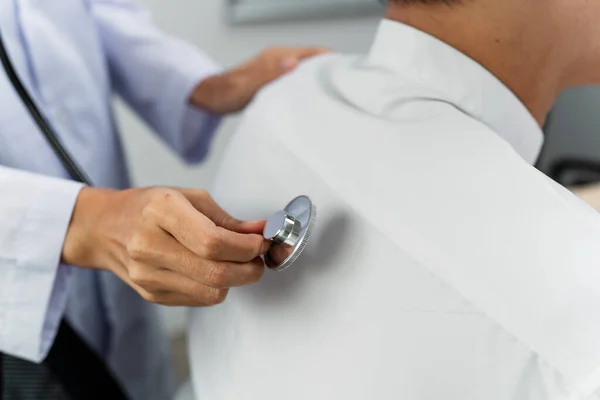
(155, 74)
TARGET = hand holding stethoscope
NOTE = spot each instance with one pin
(288, 230)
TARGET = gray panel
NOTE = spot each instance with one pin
(251, 11)
(573, 130)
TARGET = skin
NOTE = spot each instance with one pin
(177, 247)
(231, 92)
(538, 48)
(174, 246)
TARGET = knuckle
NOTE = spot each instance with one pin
(166, 195)
(253, 273)
(210, 245)
(225, 219)
(203, 195)
(218, 275)
(188, 264)
(198, 293)
(159, 193)
(149, 296)
(140, 277)
(137, 247)
(135, 273)
(149, 211)
(181, 263)
(138, 280)
(160, 198)
(198, 196)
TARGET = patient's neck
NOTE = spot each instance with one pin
(514, 46)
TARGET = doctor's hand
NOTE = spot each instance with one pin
(175, 247)
(232, 91)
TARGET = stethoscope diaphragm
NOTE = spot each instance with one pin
(289, 231)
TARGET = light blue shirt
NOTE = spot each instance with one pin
(73, 56)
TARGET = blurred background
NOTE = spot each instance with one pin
(571, 131)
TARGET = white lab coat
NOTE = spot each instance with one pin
(443, 265)
(73, 56)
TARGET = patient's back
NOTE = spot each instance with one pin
(442, 265)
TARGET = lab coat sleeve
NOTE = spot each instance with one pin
(155, 74)
(34, 216)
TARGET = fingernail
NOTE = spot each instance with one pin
(289, 63)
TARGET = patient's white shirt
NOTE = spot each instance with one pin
(443, 265)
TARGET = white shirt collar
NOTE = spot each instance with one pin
(460, 81)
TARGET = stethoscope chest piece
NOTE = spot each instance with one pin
(289, 231)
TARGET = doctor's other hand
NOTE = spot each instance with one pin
(232, 91)
(175, 247)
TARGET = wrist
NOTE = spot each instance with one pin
(82, 240)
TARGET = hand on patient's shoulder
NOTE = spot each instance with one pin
(234, 90)
(173, 246)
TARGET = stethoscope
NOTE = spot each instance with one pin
(288, 229)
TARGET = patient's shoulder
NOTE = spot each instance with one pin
(304, 77)
(309, 69)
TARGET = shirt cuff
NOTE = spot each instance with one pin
(195, 128)
(34, 285)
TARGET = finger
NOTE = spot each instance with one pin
(233, 240)
(178, 300)
(256, 227)
(121, 273)
(225, 245)
(158, 297)
(176, 215)
(164, 252)
(165, 284)
(293, 58)
(203, 202)
(175, 300)
(171, 299)
(301, 53)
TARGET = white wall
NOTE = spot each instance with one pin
(203, 23)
